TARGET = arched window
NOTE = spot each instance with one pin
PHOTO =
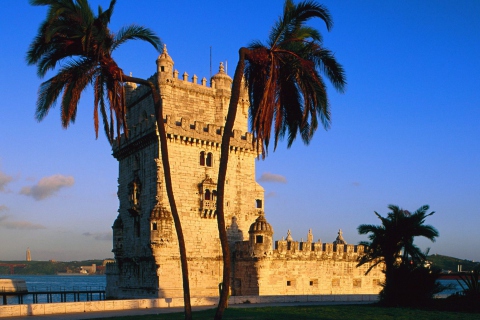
(202, 158)
(207, 194)
(214, 195)
(209, 159)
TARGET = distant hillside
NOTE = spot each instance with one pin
(450, 263)
(49, 267)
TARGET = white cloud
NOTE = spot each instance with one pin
(271, 177)
(101, 236)
(271, 194)
(48, 186)
(4, 180)
(6, 223)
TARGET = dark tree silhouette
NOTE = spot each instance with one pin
(82, 43)
(286, 92)
(391, 243)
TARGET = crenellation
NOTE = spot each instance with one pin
(145, 242)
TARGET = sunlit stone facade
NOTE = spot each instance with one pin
(144, 238)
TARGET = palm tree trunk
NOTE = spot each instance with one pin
(389, 278)
(222, 173)
(168, 183)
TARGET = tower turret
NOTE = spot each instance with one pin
(164, 65)
(221, 80)
(261, 235)
(129, 88)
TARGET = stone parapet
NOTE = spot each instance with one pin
(145, 132)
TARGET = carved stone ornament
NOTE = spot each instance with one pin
(134, 192)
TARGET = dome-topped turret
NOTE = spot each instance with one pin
(289, 236)
(164, 56)
(118, 224)
(340, 239)
(160, 213)
(221, 80)
(129, 88)
(260, 240)
(164, 64)
(261, 226)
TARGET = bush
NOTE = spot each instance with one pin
(411, 286)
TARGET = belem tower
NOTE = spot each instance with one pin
(147, 260)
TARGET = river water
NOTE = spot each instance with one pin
(58, 283)
(81, 282)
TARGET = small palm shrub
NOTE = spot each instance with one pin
(411, 286)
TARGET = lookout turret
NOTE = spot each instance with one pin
(164, 65)
(222, 80)
(260, 240)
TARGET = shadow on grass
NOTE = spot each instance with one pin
(344, 312)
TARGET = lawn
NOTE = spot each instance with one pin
(338, 312)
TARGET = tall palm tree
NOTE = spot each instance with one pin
(82, 42)
(286, 91)
(391, 242)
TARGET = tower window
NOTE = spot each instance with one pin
(209, 159)
(202, 158)
(136, 226)
(154, 226)
(162, 69)
(259, 239)
(357, 283)
(207, 195)
(258, 203)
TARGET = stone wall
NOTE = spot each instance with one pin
(144, 237)
(294, 268)
(145, 241)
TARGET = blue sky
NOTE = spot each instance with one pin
(405, 132)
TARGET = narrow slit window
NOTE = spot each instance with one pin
(209, 159)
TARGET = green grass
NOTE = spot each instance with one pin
(358, 312)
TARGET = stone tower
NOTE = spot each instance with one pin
(144, 239)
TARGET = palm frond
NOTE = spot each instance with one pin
(71, 35)
(134, 32)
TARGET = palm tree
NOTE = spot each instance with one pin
(82, 42)
(284, 83)
(392, 242)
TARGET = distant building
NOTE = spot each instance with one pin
(29, 255)
(147, 262)
(89, 269)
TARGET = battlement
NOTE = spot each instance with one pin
(319, 250)
(181, 130)
(304, 251)
(291, 249)
(137, 93)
